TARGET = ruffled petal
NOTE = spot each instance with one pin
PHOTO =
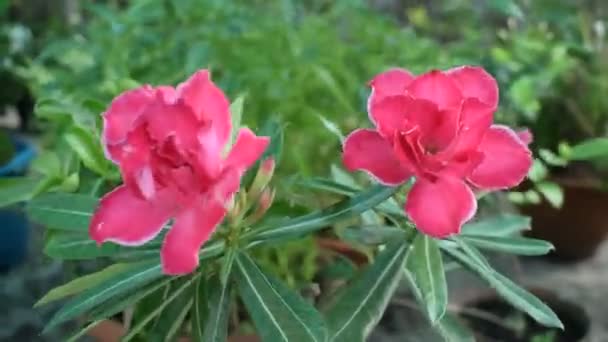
(477, 83)
(124, 218)
(506, 160)
(366, 150)
(124, 111)
(208, 103)
(440, 207)
(247, 149)
(475, 119)
(436, 87)
(133, 157)
(389, 114)
(176, 121)
(192, 227)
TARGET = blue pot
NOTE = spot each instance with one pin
(13, 223)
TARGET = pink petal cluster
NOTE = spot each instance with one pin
(438, 127)
(169, 143)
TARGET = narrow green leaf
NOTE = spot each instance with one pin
(236, 114)
(274, 129)
(170, 320)
(217, 306)
(361, 304)
(502, 225)
(279, 313)
(199, 309)
(511, 292)
(371, 234)
(16, 189)
(356, 205)
(136, 276)
(452, 330)
(63, 211)
(426, 267)
(590, 149)
(78, 247)
(552, 192)
(80, 284)
(227, 263)
(472, 253)
(389, 206)
(172, 296)
(120, 303)
(87, 148)
(332, 127)
(514, 245)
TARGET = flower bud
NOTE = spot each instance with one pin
(262, 178)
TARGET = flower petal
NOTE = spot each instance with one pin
(475, 119)
(208, 103)
(124, 218)
(440, 207)
(436, 87)
(389, 114)
(192, 228)
(477, 83)
(124, 111)
(506, 160)
(173, 120)
(365, 149)
(247, 149)
(525, 136)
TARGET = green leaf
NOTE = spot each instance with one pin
(452, 330)
(120, 303)
(80, 284)
(16, 189)
(199, 313)
(279, 313)
(175, 293)
(136, 276)
(63, 211)
(552, 192)
(236, 114)
(217, 306)
(513, 245)
(426, 267)
(361, 304)
(88, 149)
(170, 320)
(78, 247)
(341, 188)
(274, 129)
(356, 205)
(502, 225)
(511, 292)
(371, 234)
(332, 127)
(590, 149)
(48, 164)
(227, 263)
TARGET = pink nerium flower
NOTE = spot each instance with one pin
(438, 128)
(169, 144)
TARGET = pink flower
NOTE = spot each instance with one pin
(438, 128)
(169, 143)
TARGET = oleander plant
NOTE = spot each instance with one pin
(178, 200)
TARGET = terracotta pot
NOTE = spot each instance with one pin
(580, 226)
(112, 331)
